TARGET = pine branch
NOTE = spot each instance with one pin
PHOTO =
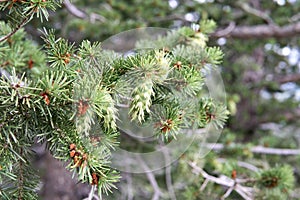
(25, 11)
(85, 78)
(23, 22)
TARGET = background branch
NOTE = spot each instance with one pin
(170, 18)
(241, 164)
(258, 149)
(288, 115)
(224, 32)
(151, 178)
(258, 13)
(261, 31)
(245, 192)
(71, 8)
(288, 78)
(168, 173)
(233, 31)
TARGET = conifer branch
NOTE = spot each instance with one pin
(50, 99)
(23, 22)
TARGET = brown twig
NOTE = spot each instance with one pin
(23, 22)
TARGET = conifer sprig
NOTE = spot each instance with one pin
(74, 102)
(21, 12)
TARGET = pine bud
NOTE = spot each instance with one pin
(72, 146)
(72, 153)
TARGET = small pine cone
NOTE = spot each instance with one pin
(111, 112)
(141, 100)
